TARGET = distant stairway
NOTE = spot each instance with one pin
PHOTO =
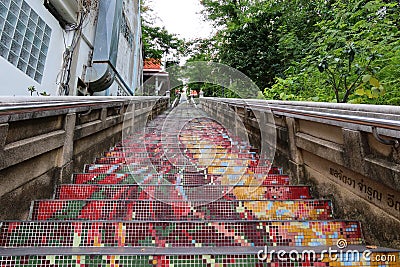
(184, 193)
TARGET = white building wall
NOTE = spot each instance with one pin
(84, 48)
(138, 56)
(125, 60)
(127, 46)
(129, 63)
(15, 82)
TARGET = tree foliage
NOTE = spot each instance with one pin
(323, 50)
(157, 41)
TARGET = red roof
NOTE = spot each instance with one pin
(152, 64)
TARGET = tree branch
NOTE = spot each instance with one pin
(348, 91)
(335, 89)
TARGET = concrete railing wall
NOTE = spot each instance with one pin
(332, 147)
(44, 140)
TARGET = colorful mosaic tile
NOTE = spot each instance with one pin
(131, 153)
(183, 190)
(184, 179)
(76, 191)
(148, 166)
(238, 260)
(181, 210)
(203, 160)
(178, 234)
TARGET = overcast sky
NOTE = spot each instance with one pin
(182, 17)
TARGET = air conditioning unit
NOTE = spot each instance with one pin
(66, 11)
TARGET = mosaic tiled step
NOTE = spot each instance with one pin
(161, 142)
(177, 234)
(199, 163)
(142, 149)
(123, 154)
(192, 138)
(144, 167)
(185, 136)
(158, 135)
(193, 148)
(181, 155)
(180, 210)
(130, 152)
(171, 138)
(215, 131)
(168, 168)
(222, 142)
(131, 257)
(74, 191)
(176, 160)
(125, 178)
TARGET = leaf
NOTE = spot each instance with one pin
(366, 78)
(360, 92)
(369, 94)
(374, 82)
(375, 92)
(355, 101)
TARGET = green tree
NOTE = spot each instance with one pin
(263, 37)
(157, 41)
(323, 50)
(352, 56)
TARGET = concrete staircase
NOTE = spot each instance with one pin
(189, 195)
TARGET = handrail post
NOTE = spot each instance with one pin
(3, 135)
(65, 160)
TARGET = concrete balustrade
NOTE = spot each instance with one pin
(329, 146)
(44, 140)
(332, 147)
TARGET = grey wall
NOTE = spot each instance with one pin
(44, 140)
(340, 158)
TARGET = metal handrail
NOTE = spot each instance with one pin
(361, 120)
(57, 103)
